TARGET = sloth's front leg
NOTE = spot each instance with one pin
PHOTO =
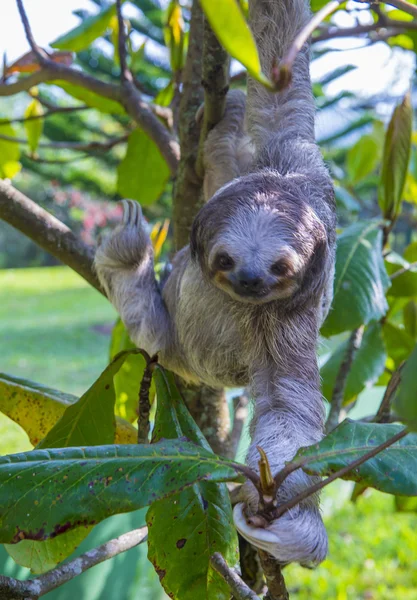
(289, 414)
(124, 265)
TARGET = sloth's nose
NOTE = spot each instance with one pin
(249, 281)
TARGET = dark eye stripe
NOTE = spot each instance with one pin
(224, 262)
(280, 268)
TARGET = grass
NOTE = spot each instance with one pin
(50, 322)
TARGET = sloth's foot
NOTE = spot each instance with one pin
(298, 535)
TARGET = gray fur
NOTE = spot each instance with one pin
(271, 200)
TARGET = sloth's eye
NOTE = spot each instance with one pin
(280, 268)
(224, 262)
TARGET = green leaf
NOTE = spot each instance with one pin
(405, 504)
(410, 318)
(90, 421)
(42, 556)
(360, 281)
(405, 399)
(127, 380)
(9, 153)
(105, 105)
(398, 342)
(47, 492)
(367, 365)
(394, 470)
(404, 284)
(174, 35)
(189, 527)
(84, 34)
(147, 183)
(395, 159)
(231, 29)
(362, 158)
(34, 127)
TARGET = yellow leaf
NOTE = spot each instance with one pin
(34, 126)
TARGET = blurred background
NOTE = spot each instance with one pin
(55, 329)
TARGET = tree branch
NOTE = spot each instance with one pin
(32, 589)
(338, 395)
(127, 95)
(188, 188)
(239, 588)
(275, 582)
(216, 63)
(390, 26)
(75, 146)
(47, 231)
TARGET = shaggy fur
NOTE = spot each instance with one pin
(244, 302)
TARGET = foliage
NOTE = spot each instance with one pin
(77, 477)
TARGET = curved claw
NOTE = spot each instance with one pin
(261, 538)
(132, 212)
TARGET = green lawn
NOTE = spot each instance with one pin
(50, 324)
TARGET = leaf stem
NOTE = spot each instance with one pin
(283, 508)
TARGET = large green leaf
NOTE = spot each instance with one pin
(47, 492)
(362, 158)
(360, 281)
(398, 342)
(367, 365)
(127, 380)
(189, 527)
(395, 159)
(89, 421)
(92, 99)
(84, 34)
(405, 399)
(146, 183)
(394, 470)
(229, 25)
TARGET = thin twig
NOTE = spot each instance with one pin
(282, 78)
(411, 9)
(144, 407)
(338, 395)
(125, 74)
(74, 146)
(384, 411)
(47, 231)
(280, 510)
(45, 115)
(37, 51)
(14, 589)
(410, 267)
(275, 582)
(390, 26)
(239, 588)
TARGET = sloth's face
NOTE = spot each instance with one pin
(258, 239)
(255, 259)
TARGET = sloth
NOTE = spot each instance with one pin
(245, 299)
